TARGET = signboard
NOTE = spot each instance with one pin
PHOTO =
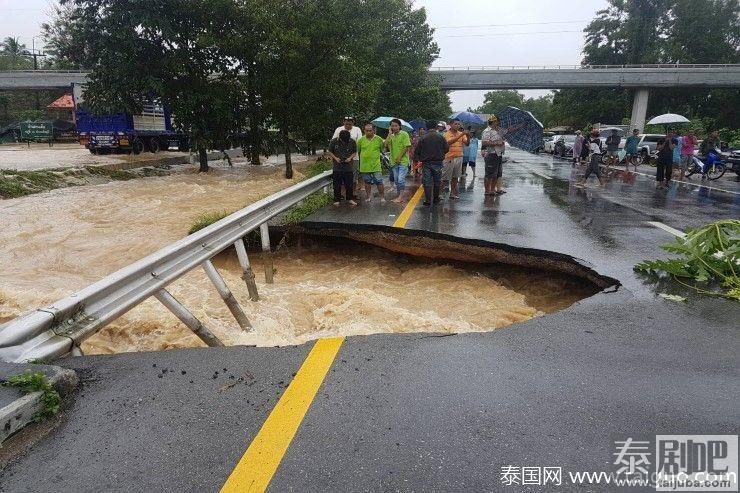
(38, 131)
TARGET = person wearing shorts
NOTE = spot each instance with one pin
(470, 152)
(452, 167)
(492, 148)
(630, 149)
(370, 146)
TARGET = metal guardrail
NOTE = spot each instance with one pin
(56, 330)
(587, 67)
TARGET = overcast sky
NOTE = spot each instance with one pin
(469, 32)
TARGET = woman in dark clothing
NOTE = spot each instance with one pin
(665, 160)
(342, 151)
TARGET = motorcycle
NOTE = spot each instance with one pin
(713, 166)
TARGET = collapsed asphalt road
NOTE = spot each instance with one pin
(424, 412)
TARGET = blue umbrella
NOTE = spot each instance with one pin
(385, 122)
(528, 136)
(418, 124)
(468, 117)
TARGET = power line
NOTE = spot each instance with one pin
(504, 34)
(513, 24)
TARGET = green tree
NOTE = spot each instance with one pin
(657, 31)
(168, 49)
(65, 47)
(13, 55)
(405, 49)
(495, 101)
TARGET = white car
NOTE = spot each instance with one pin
(550, 143)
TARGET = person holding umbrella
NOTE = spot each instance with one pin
(665, 160)
(493, 147)
(398, 143)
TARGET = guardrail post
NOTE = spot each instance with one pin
(266, 252)
(187, 318)
(226, 295)
(247, 273)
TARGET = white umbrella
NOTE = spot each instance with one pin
(667, 119)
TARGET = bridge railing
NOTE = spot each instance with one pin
(56, 330)
(588, 67)
(29, 71)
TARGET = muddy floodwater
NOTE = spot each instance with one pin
(55, 243)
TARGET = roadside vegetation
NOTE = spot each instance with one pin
(14, 184)
(708, 261)
(294, 215)
(30, 382)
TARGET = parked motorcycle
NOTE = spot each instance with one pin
(713, 166)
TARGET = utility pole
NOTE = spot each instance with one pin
(35, 55)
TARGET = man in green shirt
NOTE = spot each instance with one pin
(370, 146)
(399, 145)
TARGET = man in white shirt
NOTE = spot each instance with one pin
(349, 125)
(354, 133)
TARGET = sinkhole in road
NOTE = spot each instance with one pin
(355, 281)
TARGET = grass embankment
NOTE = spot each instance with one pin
(15, 184)
(294, 215)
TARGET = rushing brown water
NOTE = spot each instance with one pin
(55, 243)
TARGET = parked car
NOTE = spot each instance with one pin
(647, 145)
(563, 146)
(549, 144)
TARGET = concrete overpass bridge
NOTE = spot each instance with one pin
(641, 78)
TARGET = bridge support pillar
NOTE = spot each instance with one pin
(639, 109)
(266, 252)
(248, 273)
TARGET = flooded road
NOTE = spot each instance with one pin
(55, 243)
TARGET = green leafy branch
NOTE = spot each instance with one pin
(36, 382)
(710, 254)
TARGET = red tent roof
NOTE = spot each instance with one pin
(63, 102)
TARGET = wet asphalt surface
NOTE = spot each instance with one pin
(424, 412)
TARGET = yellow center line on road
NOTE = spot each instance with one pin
(259, 463)
(403, 218)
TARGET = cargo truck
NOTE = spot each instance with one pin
(151, 130)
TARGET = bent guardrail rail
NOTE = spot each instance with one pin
(56, 330)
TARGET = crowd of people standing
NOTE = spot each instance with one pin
(440, 152)
(443, 152)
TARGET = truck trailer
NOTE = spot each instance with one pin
(151, 130)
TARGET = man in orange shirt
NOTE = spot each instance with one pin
(452, 169)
